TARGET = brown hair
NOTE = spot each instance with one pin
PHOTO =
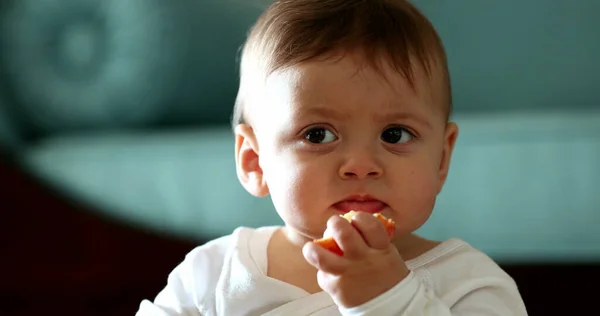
(293, 31)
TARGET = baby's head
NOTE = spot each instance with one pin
(344, 104)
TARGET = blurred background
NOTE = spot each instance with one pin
(116, 157)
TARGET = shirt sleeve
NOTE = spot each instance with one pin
(490, 296)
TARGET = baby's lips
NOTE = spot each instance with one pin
(329, 243)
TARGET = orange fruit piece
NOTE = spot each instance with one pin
(330, 244)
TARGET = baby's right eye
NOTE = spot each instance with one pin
(319, 135)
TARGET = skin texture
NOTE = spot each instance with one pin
(321, 133)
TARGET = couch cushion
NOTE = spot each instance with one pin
(180, 182)
(525, 185)
(105, 64)
(521, 187)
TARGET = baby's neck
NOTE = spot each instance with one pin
(412, 246)
(287, 264)
(292, 238)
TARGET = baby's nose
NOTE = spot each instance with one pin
(360, 168)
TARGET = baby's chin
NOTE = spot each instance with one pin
(301, 236)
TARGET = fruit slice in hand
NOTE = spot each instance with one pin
(329, 243)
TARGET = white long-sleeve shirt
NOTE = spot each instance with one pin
(227, 276)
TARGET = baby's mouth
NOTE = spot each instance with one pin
(367, 205)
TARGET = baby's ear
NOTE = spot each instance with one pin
(450, 135)
(247, 164)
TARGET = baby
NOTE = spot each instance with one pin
(343, 106)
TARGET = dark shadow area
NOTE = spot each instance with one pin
(64, 259)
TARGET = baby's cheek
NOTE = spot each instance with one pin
(308, 189)
(302, 186)
(415, 199)
(422, 195)
(289, 185)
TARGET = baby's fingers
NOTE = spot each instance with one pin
(323, 259)
(347, 237)
(372, 230)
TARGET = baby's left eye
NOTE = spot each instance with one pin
(396, 135)
(320, 135)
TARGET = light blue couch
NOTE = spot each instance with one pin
(154, 150)
(521, 185)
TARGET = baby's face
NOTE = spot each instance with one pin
(334, 138)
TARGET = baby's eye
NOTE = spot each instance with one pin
(396, 135)
(319, 135)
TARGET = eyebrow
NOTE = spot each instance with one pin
(326, 112)
(403, 116)
(387, 117)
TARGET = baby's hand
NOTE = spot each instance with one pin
(370, 266)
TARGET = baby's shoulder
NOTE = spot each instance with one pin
(454, 261)
(202, 267)
(193, 282)
(214, 251)
(204, 262)
(211, 256)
